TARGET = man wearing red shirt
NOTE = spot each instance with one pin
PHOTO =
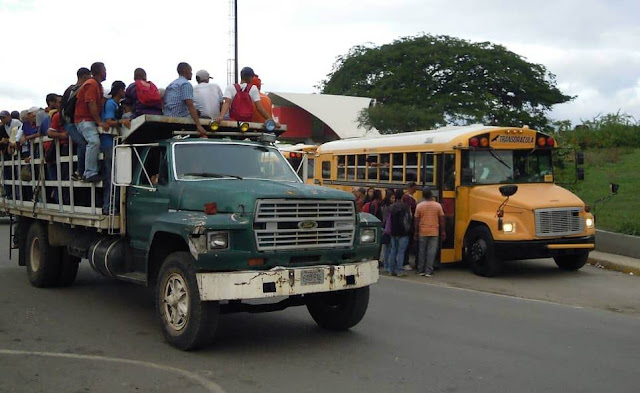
(88, 118)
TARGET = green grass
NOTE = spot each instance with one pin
(613, 165)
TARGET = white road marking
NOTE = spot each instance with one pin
(207, 384)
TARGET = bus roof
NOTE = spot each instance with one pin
(437, 136)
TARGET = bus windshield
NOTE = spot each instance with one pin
(195, 161)
(508, 166)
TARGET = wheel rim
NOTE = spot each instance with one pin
(478, 251)
(176, 302)
(34, 255)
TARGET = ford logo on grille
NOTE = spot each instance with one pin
(307, 224)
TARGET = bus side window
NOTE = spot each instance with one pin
(361, 161)
(351, 167)
(341, 167)
(326, 169)
(411, 173)
(398, 167)
(428, 168)
(449, 172)
(385, 161)
(372, 167)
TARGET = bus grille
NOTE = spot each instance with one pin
(286, 224)
(559, 221)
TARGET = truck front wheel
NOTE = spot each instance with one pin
(571, 262)
(187, 322)
(43, 260)
(339, 310)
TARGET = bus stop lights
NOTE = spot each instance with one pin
(479, 141)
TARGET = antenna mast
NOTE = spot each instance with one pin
(232, 62)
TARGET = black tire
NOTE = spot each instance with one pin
(480, 252)
(43, 260)
(194, 325)
(68, 268)
(571, 262)
(339, 310)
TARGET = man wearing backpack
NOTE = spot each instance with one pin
(400, 229)
(142, 95)
(239, 99)
(178, 98)
(67, 111)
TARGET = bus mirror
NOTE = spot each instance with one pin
(467, 175)
(614, 188)
(123, 166)
(580, 173)
(508, 190)
(580, 158)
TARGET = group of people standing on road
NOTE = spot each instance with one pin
(406, 223)
(86, 115)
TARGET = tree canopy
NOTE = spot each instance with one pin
(429, 81)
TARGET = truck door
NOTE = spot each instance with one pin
(150, 200)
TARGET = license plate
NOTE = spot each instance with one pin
(312, 277)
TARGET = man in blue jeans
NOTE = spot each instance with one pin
(88, 118)
(67, 113)
(400, 217)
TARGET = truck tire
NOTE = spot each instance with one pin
(480, 252)
(68, 268)
(571, 262)
(43, 260)
(187, 322)
(339, 310)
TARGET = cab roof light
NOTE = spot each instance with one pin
(214, 126)
(244, 127)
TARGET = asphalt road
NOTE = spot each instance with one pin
(420, 335)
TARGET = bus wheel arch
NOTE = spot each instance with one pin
(572, 262)
(479, 250)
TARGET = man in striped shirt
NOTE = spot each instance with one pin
(178, 98)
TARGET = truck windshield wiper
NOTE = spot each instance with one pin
(499, 159)
(213, 175)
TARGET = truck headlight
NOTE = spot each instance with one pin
(589, 222)
(367, 235)
(218, 240)
(509, 227)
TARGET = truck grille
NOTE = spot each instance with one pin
(286, 224)
(559, 221)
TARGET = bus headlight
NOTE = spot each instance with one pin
(218, 240)
(367, 235)
(509, 227)
(589, 222)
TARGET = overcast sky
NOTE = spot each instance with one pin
(593, 47)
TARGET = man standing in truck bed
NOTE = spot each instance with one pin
(178, 98)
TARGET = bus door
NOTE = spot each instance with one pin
(438, 172)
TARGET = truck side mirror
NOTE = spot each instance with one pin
(580, 173)
(580, 158)
(123, 166)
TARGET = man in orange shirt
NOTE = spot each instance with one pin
(88, 118)
(264, 100)
(429, 222)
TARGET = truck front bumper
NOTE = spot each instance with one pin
(281, 281)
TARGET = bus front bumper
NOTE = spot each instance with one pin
(547, 248)
(281, 281)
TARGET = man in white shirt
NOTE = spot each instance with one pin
(207, 97)
(246, 76)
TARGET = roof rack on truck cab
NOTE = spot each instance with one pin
(152, 128)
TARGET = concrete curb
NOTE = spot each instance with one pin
(618, 266)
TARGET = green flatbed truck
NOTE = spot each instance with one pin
(214, 225)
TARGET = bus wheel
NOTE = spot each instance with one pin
(339, 310)
(480, 253)
(187, 322)
(43, 260)
(68, 268)
(571, 262)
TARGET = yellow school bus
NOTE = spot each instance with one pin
(301, 157)
(496, 186)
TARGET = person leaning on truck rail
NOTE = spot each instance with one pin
(88, 118)
(230, 93)
(7, 126)
(131, 96)
(178, 98)
(265, 101)
(66, 119)
(207, 96)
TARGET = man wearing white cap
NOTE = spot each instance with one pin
(207, 97)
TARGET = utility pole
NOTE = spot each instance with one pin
(232, 63)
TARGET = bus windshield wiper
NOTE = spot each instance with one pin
(213, 175)
(499, 159)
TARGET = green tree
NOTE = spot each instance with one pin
(428, 81)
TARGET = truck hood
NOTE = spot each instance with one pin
(238, 196)
(530, 196)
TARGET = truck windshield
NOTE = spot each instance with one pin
(508, 166)
(230, 161)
